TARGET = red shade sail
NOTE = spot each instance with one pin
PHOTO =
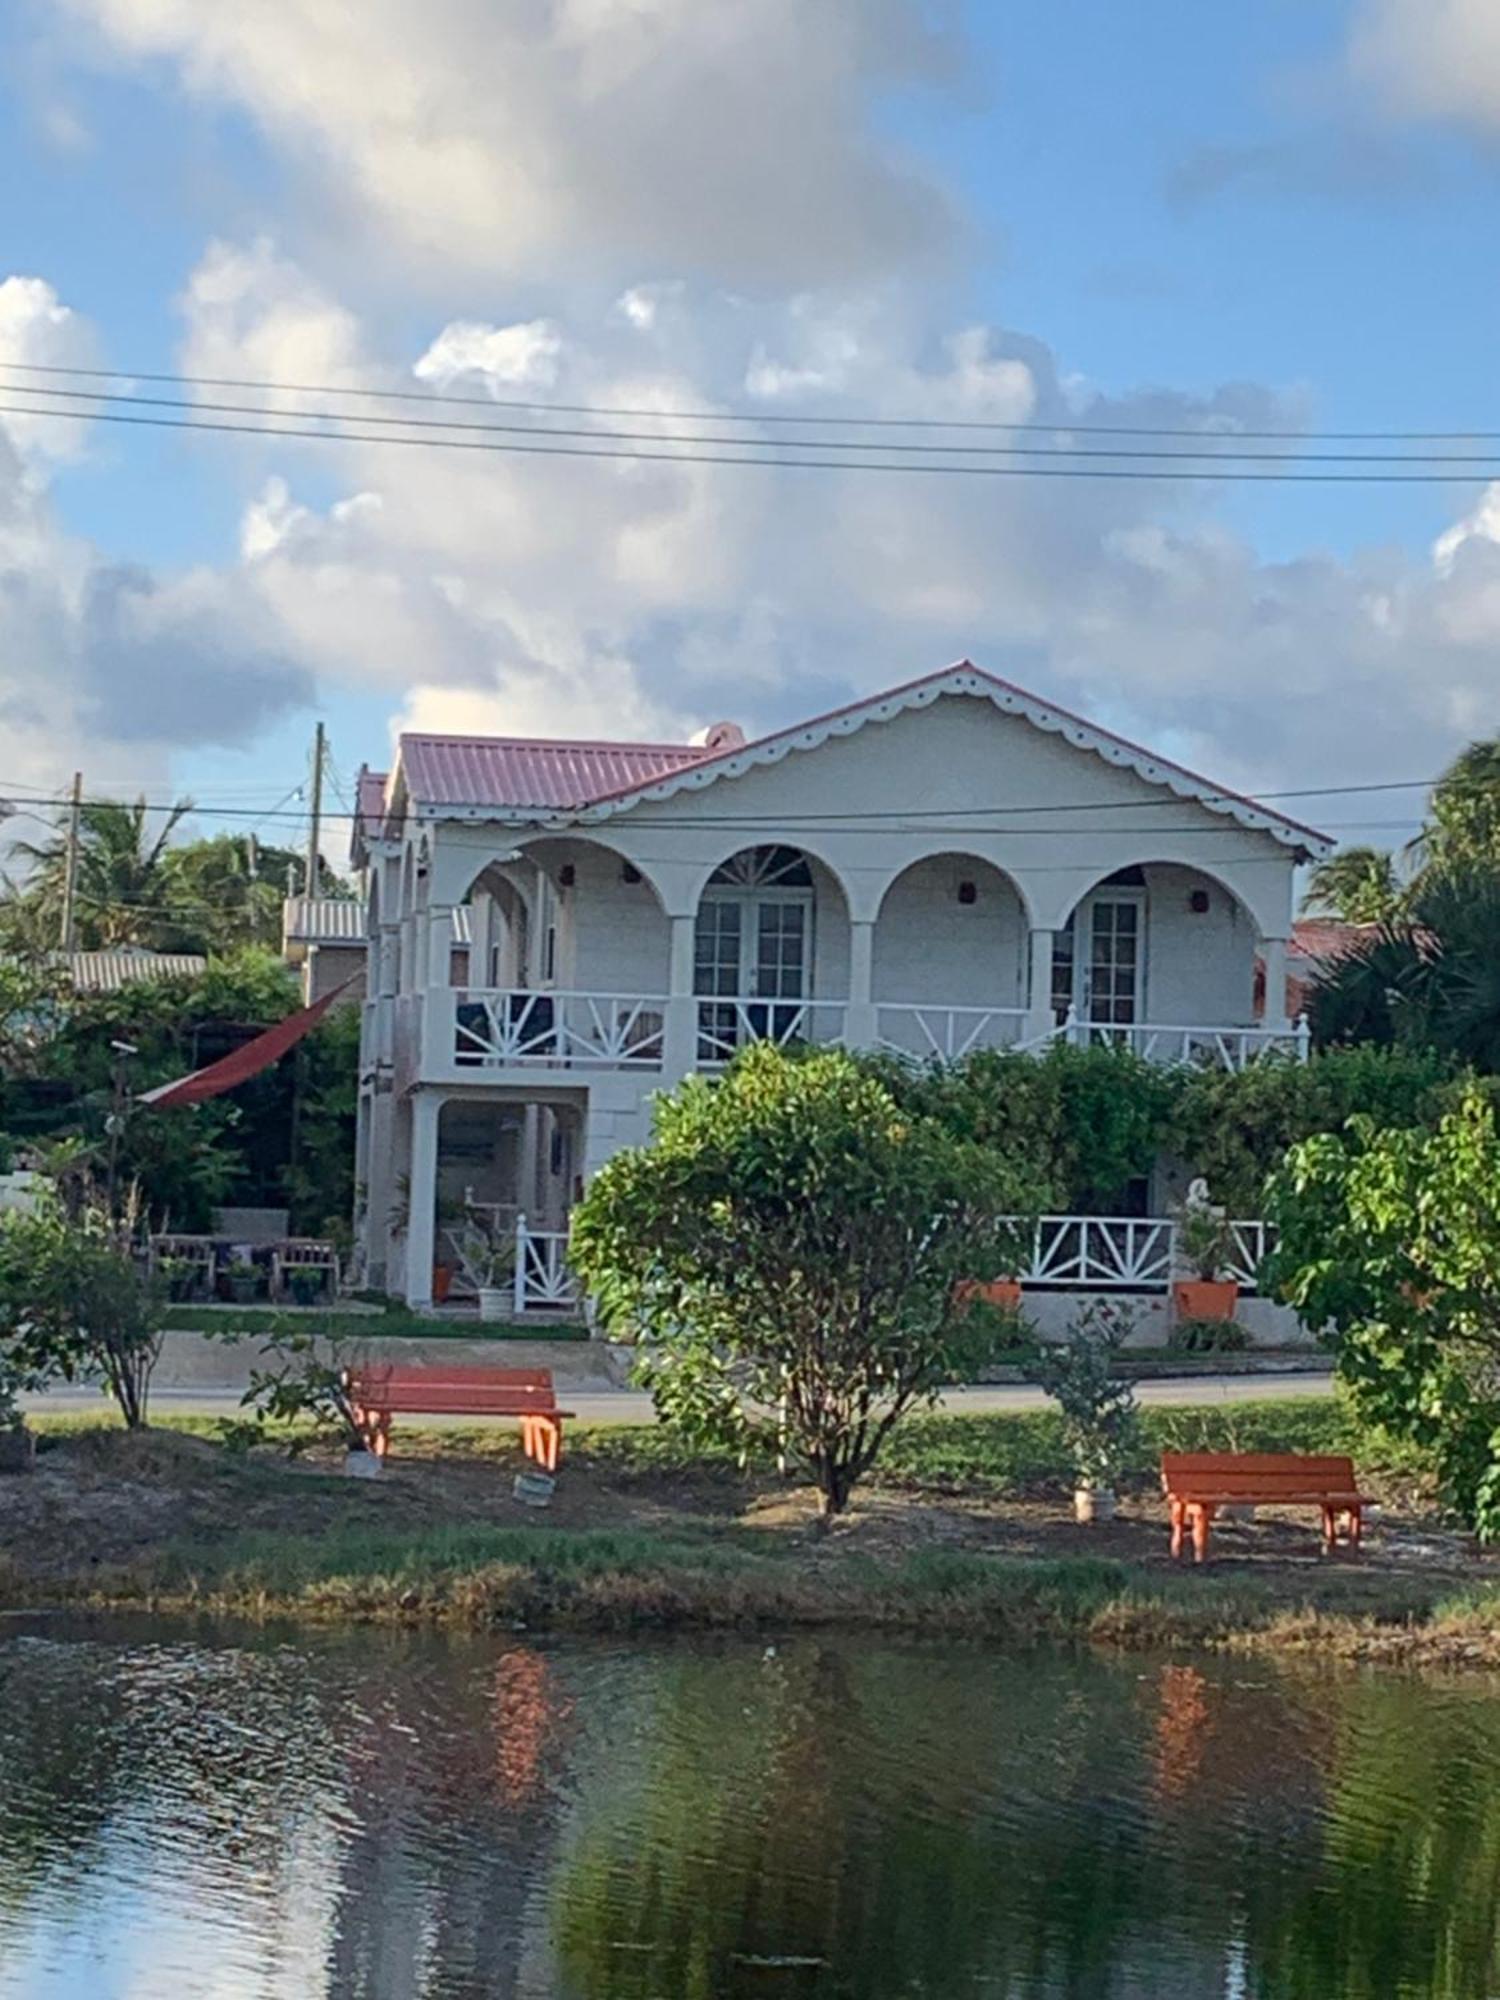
(244, 1062)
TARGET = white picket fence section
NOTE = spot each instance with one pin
(1078, 1253)
(543, 1281)
(1106, 1253)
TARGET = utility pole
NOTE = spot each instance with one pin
(70, 862)
(315, 825)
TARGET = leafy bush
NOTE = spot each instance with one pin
(791, 1243)
(1208, 1336)
(1392, 1239)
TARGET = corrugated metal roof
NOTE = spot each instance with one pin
(517, 774)
(108, 971)
(323, 919)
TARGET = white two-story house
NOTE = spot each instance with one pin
(559, 929)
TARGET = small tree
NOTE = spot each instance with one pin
(1099, 1415)
(74, 1303)
(1391, 1241)
(790, 1245)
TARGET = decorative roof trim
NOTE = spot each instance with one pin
(966, 679)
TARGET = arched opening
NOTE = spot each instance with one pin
(1159, 942)
(770, 940)
(498, 1161)
(949, 962)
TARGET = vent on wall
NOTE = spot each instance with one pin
(968, 892)
(1198, 902)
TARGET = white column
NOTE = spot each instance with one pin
(1273, 958)
(440, 945)
(421, 1219)
(680, 1029)
(1039, 1017)
(861, 1028)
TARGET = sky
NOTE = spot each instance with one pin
(1021, 211)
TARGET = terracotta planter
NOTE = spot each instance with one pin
(442, 1282)
(1205, 1298)
(1002, 1292)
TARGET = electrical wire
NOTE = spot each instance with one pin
(515, 446)
(1218, 448)
(829, 419)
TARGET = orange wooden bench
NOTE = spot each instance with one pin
(379, 1393)
(1198, 1483)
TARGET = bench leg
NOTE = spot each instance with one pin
(1202, 1518)
(1330, 1530)
(549, 1442)
(1356, 1527)
(1176, 1506)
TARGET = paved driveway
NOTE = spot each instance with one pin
(626, 1406)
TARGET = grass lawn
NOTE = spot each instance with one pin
(966, 1531)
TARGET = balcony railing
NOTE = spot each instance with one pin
(726, 1025)
(1208, 1048)
(1129, 1253)
(1069, 1253)
(509, 1028)
(946, 1034)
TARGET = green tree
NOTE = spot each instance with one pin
(1359, 885)
(74, 1303)
(122, 882)
(790, 1244)
(1429, 979)
(1465, 812)
(224, 894)
(1391, 1240)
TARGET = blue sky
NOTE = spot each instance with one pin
(1141, 205)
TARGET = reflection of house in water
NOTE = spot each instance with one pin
(443, 1883)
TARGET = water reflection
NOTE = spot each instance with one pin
(377, 1817)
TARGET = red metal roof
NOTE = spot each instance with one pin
(523, 774)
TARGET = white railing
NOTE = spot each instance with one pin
(543, 1281)
(726, 1025)
(1105, 1253)
(1208, 1048)
(504, 1028)
(913, 1028)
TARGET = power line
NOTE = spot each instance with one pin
(1218, 448)
(515, 446)
(829, 419)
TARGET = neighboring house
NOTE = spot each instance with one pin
(108, 971)
(951, 865)
(323, 939)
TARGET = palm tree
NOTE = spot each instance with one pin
(122, 887)
(1429, 976)
(1359, 885)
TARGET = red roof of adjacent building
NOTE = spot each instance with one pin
(524, 774)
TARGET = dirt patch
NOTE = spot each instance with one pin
(106, 1500)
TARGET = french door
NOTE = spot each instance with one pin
(1099, 961)
(751, 954)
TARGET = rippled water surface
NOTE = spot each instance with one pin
(192, 1811)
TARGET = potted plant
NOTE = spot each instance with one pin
(1002, 1292)
(307, 1282)
(242, 1280)
(489, 1264)
(180, 1275)
(1204, 1243)
(1098, 1407)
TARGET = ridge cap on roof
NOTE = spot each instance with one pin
(1196, 779)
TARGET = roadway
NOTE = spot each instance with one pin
(629, 1406)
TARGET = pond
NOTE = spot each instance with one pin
(199, 1811)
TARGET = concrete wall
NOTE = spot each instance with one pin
(1200, 966)
(931, 947)
(615, 937)
(1267, 1323)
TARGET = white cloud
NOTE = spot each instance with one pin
(559, 135)
(595, 597)
(506, 357)
(1432, 57)
(38, 330)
